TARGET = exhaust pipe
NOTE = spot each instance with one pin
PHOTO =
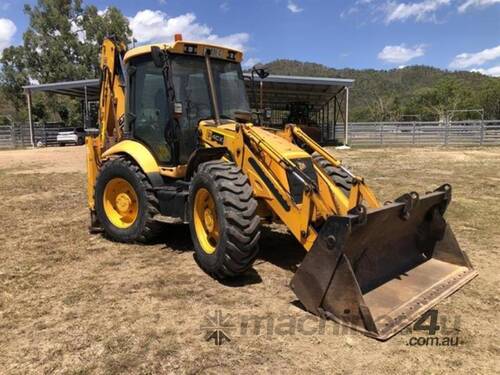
(378, 271)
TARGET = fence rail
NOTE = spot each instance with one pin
(19, 135)
(360, 134)
(422, 133)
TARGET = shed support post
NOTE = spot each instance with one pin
(346, 117)
(346, 120)
(335, 118)
(30, 120)
(327, 123)
(85, 110)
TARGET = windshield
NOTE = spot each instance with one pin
(148, 102)
(230, 88)
(191, 85)
(192, 94)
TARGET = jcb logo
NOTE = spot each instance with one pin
(216, 137)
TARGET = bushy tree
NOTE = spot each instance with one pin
(14, 75)
(61, 44)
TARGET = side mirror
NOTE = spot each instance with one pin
(242, 116)
(262, 73)
(158, 56)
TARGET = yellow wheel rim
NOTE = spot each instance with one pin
(120, 203)
(205, 220)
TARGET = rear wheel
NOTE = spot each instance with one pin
(340, 177)
(222, 217)
(124, 202)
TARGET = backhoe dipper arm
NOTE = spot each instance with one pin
(112, 93)
(111, 111)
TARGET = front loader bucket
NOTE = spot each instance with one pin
(377, 272)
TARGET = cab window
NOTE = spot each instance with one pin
(148, 104)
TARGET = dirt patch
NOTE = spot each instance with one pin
(71, 302)
(44, 160)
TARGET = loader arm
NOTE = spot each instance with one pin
(264, 157)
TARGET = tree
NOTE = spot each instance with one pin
(14, 75)
(95, 25)
(489, 99)
(63, 39)
(61, 44)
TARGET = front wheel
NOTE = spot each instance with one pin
(339, 176)
(222, 217)
(124, 202)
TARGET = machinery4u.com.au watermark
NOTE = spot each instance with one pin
(219, 327)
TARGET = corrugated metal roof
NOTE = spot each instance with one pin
(278, 89)
(304, 80)
(70, 88)
(281, 90)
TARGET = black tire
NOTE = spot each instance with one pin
(340, 177)
(236, 213)
(144, 228)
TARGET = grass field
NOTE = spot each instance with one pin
(71, 302)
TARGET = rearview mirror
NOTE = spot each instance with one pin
(158, 56)
(261, 72)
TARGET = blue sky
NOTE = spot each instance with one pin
(379, 34)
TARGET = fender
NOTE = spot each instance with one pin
(139, 154)
(202, 155)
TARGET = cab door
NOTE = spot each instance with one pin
(148, 108)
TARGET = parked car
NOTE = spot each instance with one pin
(74, 136)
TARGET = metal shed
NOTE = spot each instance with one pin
(86, 90)
(328, 99)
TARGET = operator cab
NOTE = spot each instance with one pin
(174, 87)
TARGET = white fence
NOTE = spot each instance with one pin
(19, 135)
(410, 134)
(422, 133)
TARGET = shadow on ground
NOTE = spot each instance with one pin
(281, 249)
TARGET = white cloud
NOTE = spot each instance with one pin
(7, 31)
(401, 54)
(150, 26)
(421, 11)
(466, 60)
(476, 4)
(493, 71)
(294, 8)
(224, 6)
(250, 62)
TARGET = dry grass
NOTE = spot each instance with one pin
(71, 302)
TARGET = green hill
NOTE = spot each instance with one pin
(415, 90)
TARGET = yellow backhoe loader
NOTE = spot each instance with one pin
(175, 141)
